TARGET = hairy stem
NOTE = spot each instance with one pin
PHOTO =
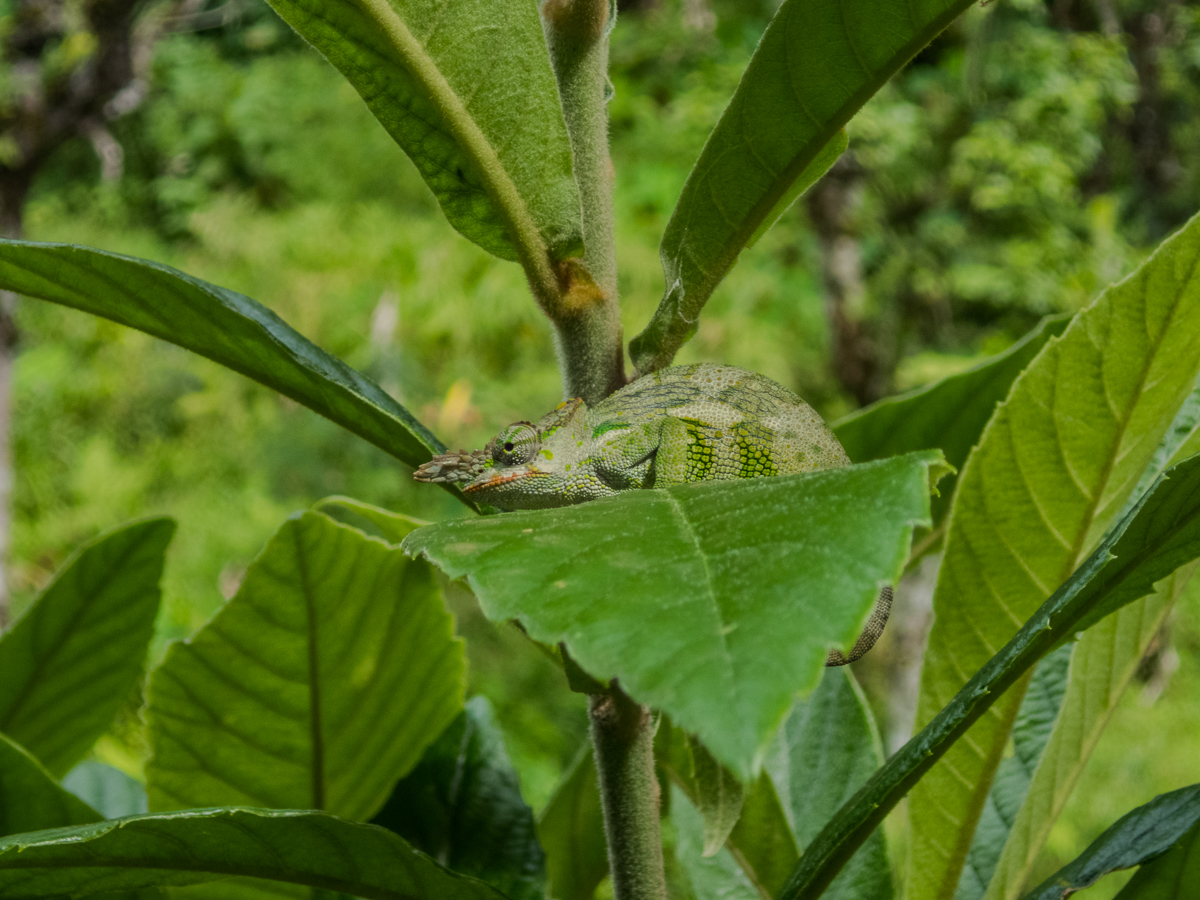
(623, 746)
(589, 326)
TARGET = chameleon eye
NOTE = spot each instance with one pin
(516, 445)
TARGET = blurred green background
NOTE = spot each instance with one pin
(1033, 154)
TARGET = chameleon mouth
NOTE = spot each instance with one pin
(501, 478)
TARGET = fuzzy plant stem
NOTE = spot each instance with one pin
(623, 746)
(589, 326)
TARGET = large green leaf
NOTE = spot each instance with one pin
(828, 749)
(1104, 663)
(195, 846)
(462, 805)
(467, 90)
(1135, 838)
(69, 663)
(816, 65)
(1031, 733)
(949, 415)
(572, 832)
(1173, 876)
(1054, 466)
(693, 595)
(1157, 536)
(318, 686)
(225, 326)
(30, 798)
(762, 841)
(709, 786)
(713, 876)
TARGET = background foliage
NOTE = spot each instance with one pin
(1032, 154)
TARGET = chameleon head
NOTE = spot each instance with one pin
(525, 466)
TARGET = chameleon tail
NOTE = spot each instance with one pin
(870, 634)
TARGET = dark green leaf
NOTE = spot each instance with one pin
(467, 90)
(1173, 876)
(30, 798)
(1135, 838)
(816, 65)
(829, 747)
(1032, 730)
(225, 326)
(318, 686)
(949, 415)
(69, 663)
(106, 789)
(196, 846)
(713, 876)
(1053, 469)
(462, 805)
(572, 832)
(692, 595)
(709, 786)
(762, 841)
(1161, 533)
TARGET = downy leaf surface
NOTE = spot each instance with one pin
(693, 596)
(1135, 838)
(196, 846)
(319, 685)
(571, 830)
(816, 65)
(1031, 734)
(762, 841)
(1054, 466)
(1160, 533)
(713, 876)
(467, 90)
(1104, 664)
(462, 805)
(827, 750)
(220, 324)
(69, 663)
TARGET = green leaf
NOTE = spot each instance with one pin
(571, 830)
(468, 92)
(106, 789)
(220, 324)
(709, 786)
(762, 841)
(1054, 466)
(195, 846)
(1031, 733)
(812, 173)
(713, 876)
(1135, 838)
(69, 663)
(1172, 876)
(816, 65)
(30, 798)
(1105, 661)
(949, 415)
(318, 686)
(828, 749)
(462, 805)
(388, 526)
(691, 595)
(1157, 536)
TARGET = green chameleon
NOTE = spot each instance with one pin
(687, 423)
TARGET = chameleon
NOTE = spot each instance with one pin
(702, 422)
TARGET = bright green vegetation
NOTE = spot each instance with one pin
(995, 187)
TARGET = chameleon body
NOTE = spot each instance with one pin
(687, 423)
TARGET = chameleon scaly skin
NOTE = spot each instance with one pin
(701, 422)
(687, 423)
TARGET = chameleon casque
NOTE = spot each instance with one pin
(700, 422)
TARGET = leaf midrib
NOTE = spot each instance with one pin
(503, 193)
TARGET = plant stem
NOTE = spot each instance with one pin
(623, 747)
(589, 328)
